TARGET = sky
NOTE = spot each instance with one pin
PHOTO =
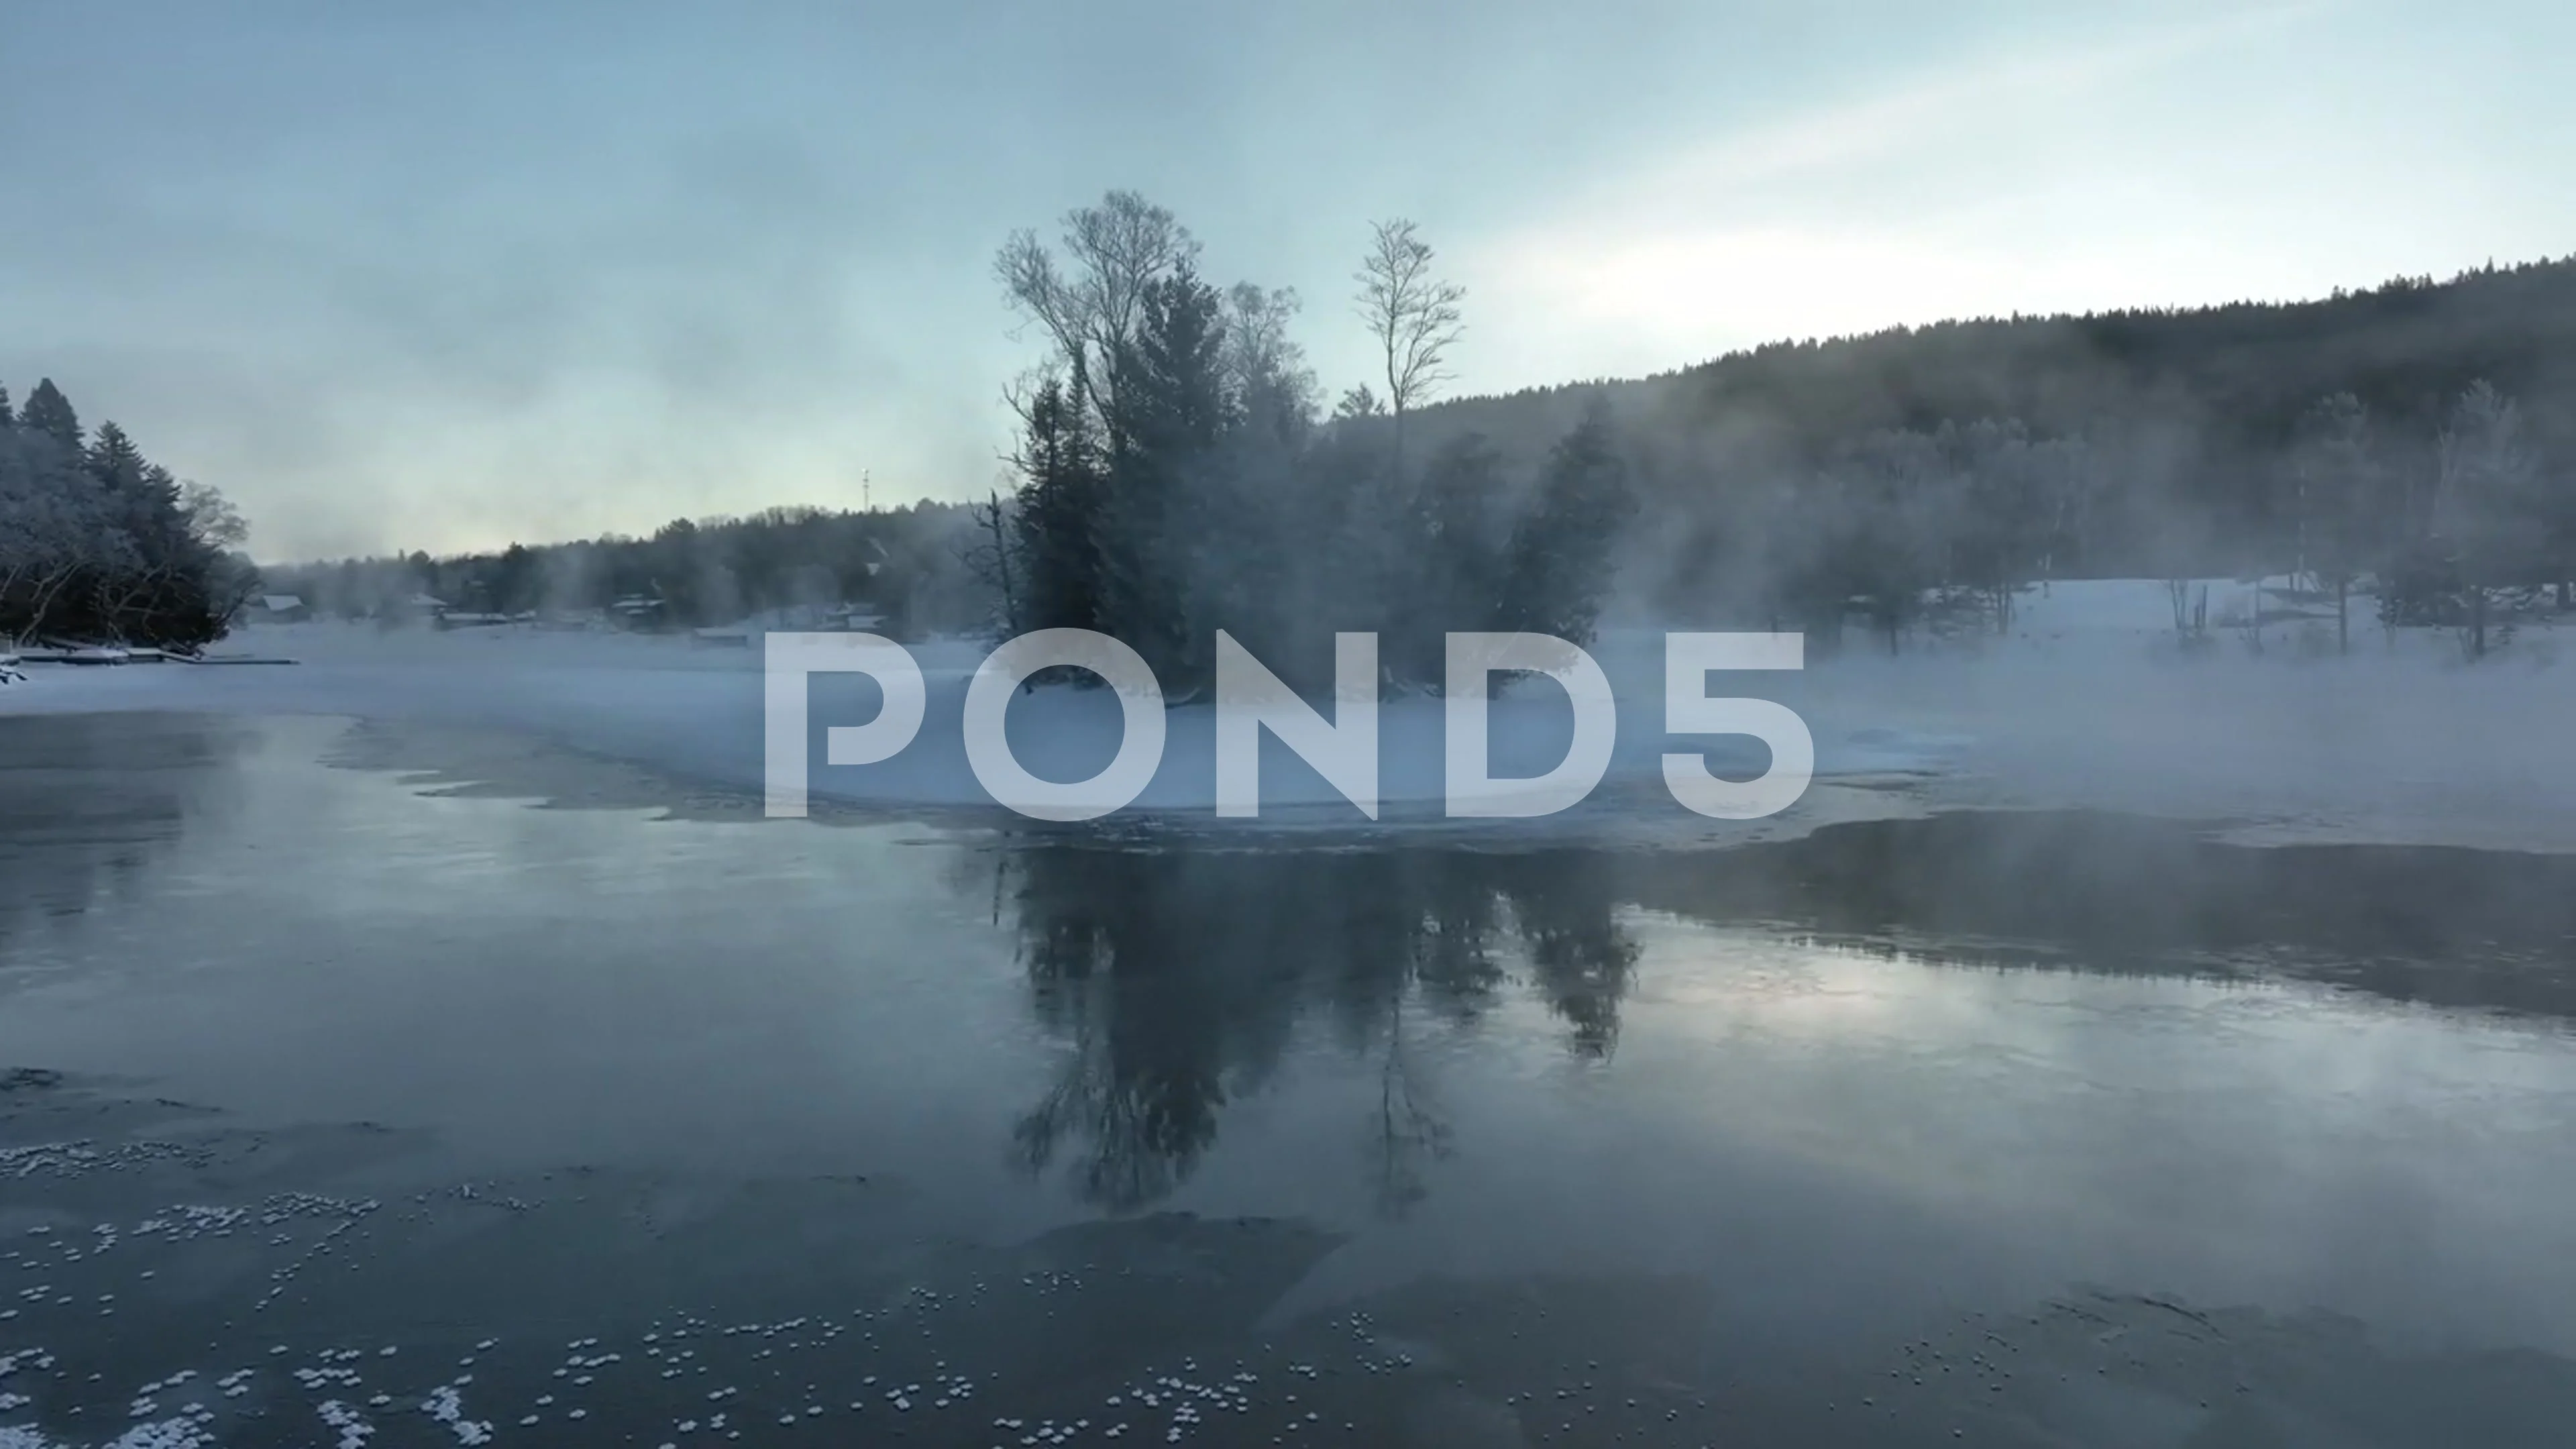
(447, 274)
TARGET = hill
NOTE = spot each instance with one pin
(2189, 410)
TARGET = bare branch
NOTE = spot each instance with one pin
(1412, 314)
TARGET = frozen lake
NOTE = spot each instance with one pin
(347, 1090)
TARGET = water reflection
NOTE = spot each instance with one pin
(88, 809)
(2492, 930)
(1177, 981)
(356, 932)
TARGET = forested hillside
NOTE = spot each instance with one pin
(2189, 418)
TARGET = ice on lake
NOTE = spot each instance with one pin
(610, 1109)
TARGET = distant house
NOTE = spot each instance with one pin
(280, 609)
(637, 611)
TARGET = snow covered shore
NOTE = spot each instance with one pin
(2088, 703)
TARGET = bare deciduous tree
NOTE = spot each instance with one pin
(1092, 303)
(1412, 315)
(212, 518)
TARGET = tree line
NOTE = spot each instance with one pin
(2187, 422)
(100, 544)
(2462, 524)
(906, 565)
(1175, 471)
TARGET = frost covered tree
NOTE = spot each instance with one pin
(99, 543)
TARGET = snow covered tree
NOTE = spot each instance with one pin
(101, 543)
(57, 532)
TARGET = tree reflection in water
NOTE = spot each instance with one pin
(1179, 980)
(93, 802)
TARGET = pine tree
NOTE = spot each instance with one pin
(1451, 571)
(1054, 525)
(2340, 493)
(8, 419)
(48, 411)
(113, 458)
(1559, 562)
(2487, 503)
(1154, 523)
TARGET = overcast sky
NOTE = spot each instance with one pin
(445, 274)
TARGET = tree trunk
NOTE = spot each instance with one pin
(1002, 561)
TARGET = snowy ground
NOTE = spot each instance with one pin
(2087, 703)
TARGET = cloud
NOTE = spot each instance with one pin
(446, 278)
(2237, 156)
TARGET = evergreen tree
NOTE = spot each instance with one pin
(48, 411)
(1174, 479)
(2341, 500)
(1891, 495)
(1057, 557)
(1995, 511)
(113, 458)
(1453, 569)
(1560, 554)
(2487, 509)
(1156, 525)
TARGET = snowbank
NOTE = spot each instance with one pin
(2088, 703)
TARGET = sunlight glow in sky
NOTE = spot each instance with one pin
(446, 276)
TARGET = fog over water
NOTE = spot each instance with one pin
(1850, 1094)
(2038, 543)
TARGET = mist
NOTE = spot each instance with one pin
(1922, 792)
